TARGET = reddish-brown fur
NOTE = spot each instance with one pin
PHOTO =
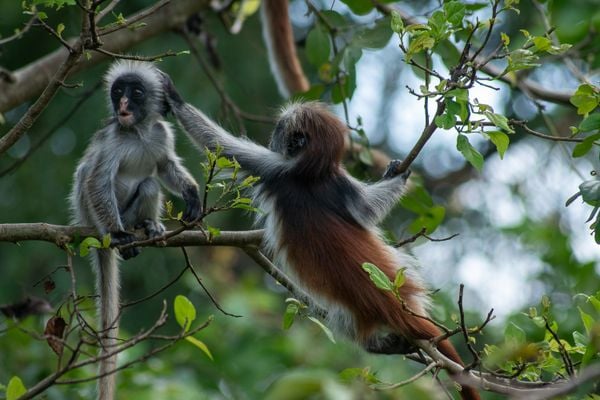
(284, 47)
(326, 248)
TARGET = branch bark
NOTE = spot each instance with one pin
(31, 80)
(62, 235)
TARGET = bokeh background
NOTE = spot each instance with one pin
(517, 239)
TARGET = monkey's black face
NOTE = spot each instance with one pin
(129, 98)
(290, 144)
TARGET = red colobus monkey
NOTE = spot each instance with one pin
(321, 224)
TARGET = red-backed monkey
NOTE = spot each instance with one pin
(321, 224)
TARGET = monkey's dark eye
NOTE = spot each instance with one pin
(117, 91)
(138, 93)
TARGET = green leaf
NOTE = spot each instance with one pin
(469, 152)
(290, 315)
(200, 344)
(224, 162)
(350, 374)
(359, 7)
(590, 192)
(522, 59)
(334, 18)
(586, 99)
(500, 140)
(514, 333)
(185, 312)
(318, 46)
(419, 43)
(323, 328)
(505, 39)
(455, 12)
(60, 29)
(590, 123)
(584, 147)
(587, 319)
(542, 43)
(397, 24)
(400, 279)
(439, 27)
(445, 121)
(429, 220)
(375, 37)
(590, 352)
(378, 277)
(448, 53)
(499, 121)
(15, 388)
(595, 301)
(106, 239)
(213, 232)
(84, 246)
(461, 95)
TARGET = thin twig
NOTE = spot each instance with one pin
(189, 266)
(19, 34)
(48, 134)
(429, 367)
(138, 17)
(422, 233)
(168, 53)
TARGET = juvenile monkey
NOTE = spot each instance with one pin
(321, 224)
(116, 187)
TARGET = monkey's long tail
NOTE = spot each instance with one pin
(278, 35)
(106, 265)
(424, 329)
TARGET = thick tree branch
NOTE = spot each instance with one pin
(33, 78)
(62, 235)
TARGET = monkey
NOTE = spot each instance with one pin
(116, 188)
(281, 49)
(321, 224)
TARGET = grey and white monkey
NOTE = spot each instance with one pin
(116, 187)
(321, 225)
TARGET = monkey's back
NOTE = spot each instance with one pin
(325, 246)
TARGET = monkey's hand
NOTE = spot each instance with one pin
(193, 207)
(122, 238)
(392, 170)
(152, 228)
(172, 96)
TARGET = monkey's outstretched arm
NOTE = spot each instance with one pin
(383, 195)
(258, 160)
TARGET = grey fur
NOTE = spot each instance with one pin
(116, 189)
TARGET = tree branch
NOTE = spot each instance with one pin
(31, 79)
(62, 235)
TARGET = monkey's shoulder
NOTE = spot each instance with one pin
(338, 196)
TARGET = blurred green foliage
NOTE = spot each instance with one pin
(254, 357)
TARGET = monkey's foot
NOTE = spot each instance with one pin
(122, 238)
(392, 170)
(152, 228)
(390, 344)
